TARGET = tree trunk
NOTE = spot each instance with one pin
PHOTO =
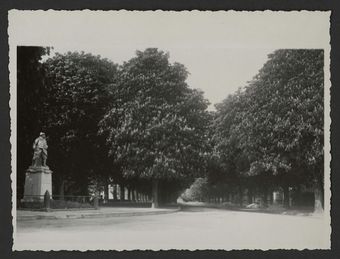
(240, 193)
(61, 190)
(265, 197)
(133, 197)
(155, 194)
(297, 198)
(271, 198)
(318, 197)
(106, 192)
(122, 192)
(250, 196)
(286, 196)
(115, 192)
(129, 194)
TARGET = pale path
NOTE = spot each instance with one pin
(206, 229)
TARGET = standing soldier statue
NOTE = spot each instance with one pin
(38, 180)
(40, 150)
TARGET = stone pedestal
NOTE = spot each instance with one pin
(38, 180)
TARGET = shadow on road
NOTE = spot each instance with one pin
(269, 210)
(186, 208)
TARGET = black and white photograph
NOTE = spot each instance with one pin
(160, 130)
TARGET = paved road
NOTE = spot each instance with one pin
(201, 229)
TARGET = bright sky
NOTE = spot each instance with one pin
(221, 50)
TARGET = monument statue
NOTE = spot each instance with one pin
(40, 150)
(38, 178)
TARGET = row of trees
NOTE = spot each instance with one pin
(140, 125)
(130, 123)
(271, 132)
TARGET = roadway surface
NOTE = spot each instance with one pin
(199, 229)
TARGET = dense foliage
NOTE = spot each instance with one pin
(78, 94)
(140, 125)
(274, 127)
(198, 191)
(157, 126)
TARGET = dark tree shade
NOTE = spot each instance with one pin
(30, 92)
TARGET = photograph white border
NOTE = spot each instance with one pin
(39, 38)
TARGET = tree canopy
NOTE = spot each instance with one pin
(157, 127)
(275, 125)
(140, 122)
(78, 93)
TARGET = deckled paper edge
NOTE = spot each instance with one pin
(13, 118)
